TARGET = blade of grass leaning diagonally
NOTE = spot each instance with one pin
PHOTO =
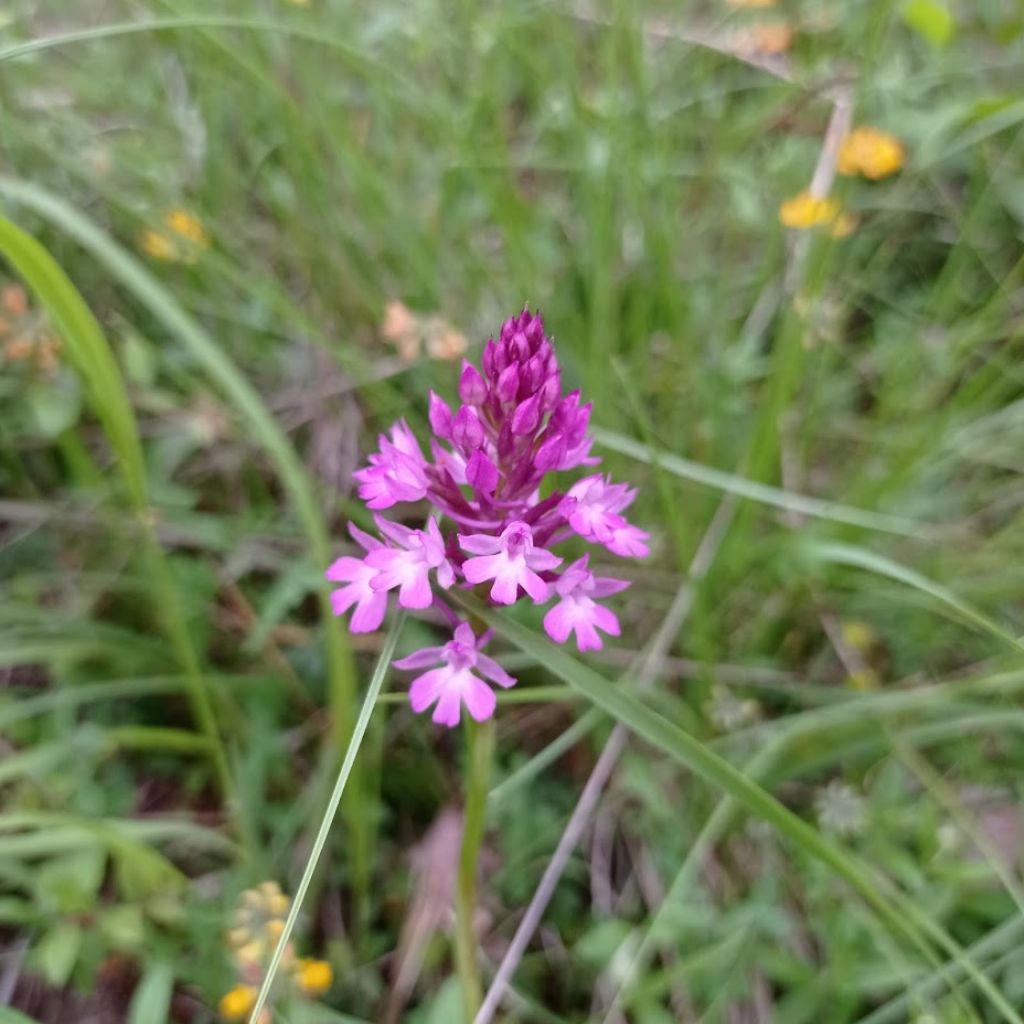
(237, 389)
(861, 558)
(90, 352)
(358, 732)
(765, 494)
(895, 910)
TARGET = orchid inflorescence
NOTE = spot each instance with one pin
(490, 458)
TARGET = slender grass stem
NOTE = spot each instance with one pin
(479, 755)
(369, 702)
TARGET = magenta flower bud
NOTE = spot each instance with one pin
(549, 392)
(440, 417)
(526, 418)
(481, 473)
(488, 359)
(519, 347)
(472, 388)
(550, 453)
(532, 374)
(467, 430)
(508, 383)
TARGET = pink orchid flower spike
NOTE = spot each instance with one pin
(455, 683)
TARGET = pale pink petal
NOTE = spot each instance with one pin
(605, 586)
(415, 591)
(586, 636)
(534, 585)
(420, 659)
(486, 567)
(425, 689)
(449, 705)
(445, 574)
(365, 541)
(540, 559)
(479, 544)
(479, 698)
(490, 669)
(343, 599)
(346, 568)
(369, 613)
(558, 622)
(506, 581)
(606, 619)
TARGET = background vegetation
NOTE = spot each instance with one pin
(210, 206)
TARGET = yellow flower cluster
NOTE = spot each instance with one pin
(806, 211)
(25, 333)
(865, 151)
(256, 927)
(179, 239)
(871, 153)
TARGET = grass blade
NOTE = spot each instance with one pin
(93, 358)
(762, 493)
(369, 703)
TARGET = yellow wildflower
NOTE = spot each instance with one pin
(314, 977)
(188, 226)
(804, 211)
(238, 1003)
(443, 340)
(157, 245)
(870, 152)
(401, 327)
(858, 635)
(760, 4)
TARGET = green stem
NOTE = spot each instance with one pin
(479, 754)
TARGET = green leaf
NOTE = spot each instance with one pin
(57, 951)
(9, 1016)
(151, 1002)
(930, 19)
(122, 926)
(69, 884)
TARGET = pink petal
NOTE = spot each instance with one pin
(425, 689)
(606, 619)
(492, 670)
(448, 706)
(479, 544)
(587, 638)
(506, 581)
(415, 591)
(605, 586)
(364, 540)
(479, 698)
(558, 622)
(346, 569)
(369, 613)
(343, 599)
(420, 659)
(486, 567)
(540, 559)
(534, 585)
(445, 574)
